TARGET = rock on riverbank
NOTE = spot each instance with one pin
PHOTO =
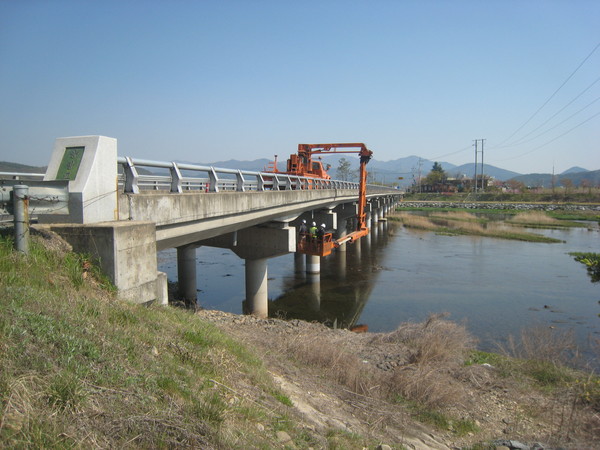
(500, 205)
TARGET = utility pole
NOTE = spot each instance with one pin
(420, 163)
(481, 171)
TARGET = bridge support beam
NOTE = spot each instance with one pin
(257, 301)
(186, 273)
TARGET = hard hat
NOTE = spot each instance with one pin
(314, 224)
(303, 220)
(323, 225)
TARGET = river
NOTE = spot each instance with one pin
(496, 287)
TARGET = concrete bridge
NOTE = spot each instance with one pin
(122, 211)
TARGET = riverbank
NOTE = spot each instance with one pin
(81, 369)
(506, 206)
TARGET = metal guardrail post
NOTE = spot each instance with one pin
(175, 178)
(21, 217)
(131, 177)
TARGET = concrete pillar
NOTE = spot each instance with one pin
(356, 247)
(313, 264)
(341, 265)
(315, 298)
(299, 263)
(375, 214)
(368, 220)
(257, 302)
(162, 289)
(340, 234)
(186, 273)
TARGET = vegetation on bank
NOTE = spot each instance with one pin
(591, 261)
(558, 196)
(81, 369)
(561, 214)
(462, 223)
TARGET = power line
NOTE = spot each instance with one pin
(450, 154)
(552, 96)
(554, 139)
(520, 141)
(558, 124)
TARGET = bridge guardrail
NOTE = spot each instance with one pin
(180, 177)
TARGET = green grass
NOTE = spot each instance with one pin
(73, 357)
(591, 261)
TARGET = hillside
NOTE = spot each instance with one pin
(80, 369)
(591, 177)
(6, 166)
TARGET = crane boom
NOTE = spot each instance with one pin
(303, 164)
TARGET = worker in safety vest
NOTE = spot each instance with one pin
(313, 230)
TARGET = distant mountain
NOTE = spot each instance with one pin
(574, 170)
(545, 179)
(15, 167)
(406, 168)
(469, 171)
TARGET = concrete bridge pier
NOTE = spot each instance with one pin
(299, 263)
(186, 273)
(257, 302)
(368, 220)
(313, 264)
(315, 298)
(341, 232)
(256, 245)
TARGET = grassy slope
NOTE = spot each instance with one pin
(80, 369)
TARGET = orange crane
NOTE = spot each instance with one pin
(302, 164)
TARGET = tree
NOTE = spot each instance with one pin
(567, 183)
(437, 175)
(515, 186)
(343, 170)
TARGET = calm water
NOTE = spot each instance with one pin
(395, 275)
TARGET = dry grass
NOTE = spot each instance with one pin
(338, 363)
(433, 348)
(471, 227)
(435, 341)
(414, 221)
(458, 215)
(534, 218)
(541, 343)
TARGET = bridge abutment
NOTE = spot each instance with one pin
(126, 253)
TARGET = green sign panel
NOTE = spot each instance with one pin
(70, 163)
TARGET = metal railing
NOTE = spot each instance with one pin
(21, 176)
(180, 177)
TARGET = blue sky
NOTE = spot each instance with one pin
(205, 81)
